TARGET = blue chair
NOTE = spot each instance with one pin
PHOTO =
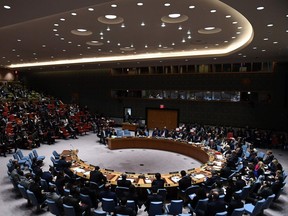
(221, 213)
(33, 200)
(191, 190)
(120, 191)
(245, 191)
(56, 155)
(175, 207)
(127, 133)
(21, 156)
(131, 204)
(238, 212)
(24, 194)
(155, 208)
(34, 151)
(44, 185)
(70, 211)
(20, 161)
(254, 210)
(108, 205)
(268, 201)
(54, 161)
(260, 154)
(86, 199)
(53, 207)
(163, 193)
(120, 133)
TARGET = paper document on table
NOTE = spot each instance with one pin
(175, 179)
(87, 173)
(199, 176)
(148, 181)
(77, 169)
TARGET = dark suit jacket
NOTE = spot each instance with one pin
(233, 205)
(215, 207)
(158, 183)
(124, 183)
(98, 177)
(184, 183)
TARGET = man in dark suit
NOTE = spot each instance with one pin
(97, 176)
(73, 200)
(185, 181)
(123, 182)
(158, 182)
(215, 205)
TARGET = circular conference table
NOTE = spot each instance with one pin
(211, 159)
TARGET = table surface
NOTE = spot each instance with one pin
(212, 161)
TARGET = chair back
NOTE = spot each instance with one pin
(23, 191)
(131, 204)
(20, 154)
(221, 213)
(86, 199)
(163, 193)
(201, 206)
(268, 201)
(69, 210)
(155, 208)
(191, 190)
(53, 208)
(238, 212)
(44, 185)
(245, 191)
(33, 199)
(175, 207)
(120, 191)
(108, 205)
(35, 153)
(258, 207)
(56, 154)
(99, 213)
(31, 156)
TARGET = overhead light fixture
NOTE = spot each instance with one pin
(167, 4)
(191, 6)
(213, 11)
(122, 25)
(114, 5)
(108, 29)
(174, 15)
(209, 28)
(110, 16)
(260, 8)
(74, 14)
(142, 24)
(81, 30)
(140, 4)
(7, 7)
(163, 25)
(270, 25)
(180, 28)
(62, 19)
(228, 16)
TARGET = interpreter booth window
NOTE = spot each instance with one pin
(174, 94)
(166, 94)
(191, 95)
(208, 96)
(199, 96)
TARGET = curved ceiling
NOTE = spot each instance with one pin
(35, 34)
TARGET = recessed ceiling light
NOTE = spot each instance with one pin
(260, 8)
(108, 29)
(206, 47)
(254, 48)
(57, 35)
(240, 54)
(270, 25)
(62, 38)
(142, 24)
(275, 42)
(173, 44)
(79, 45)
(180, 28)
(233, 37)
(163, 25)
(114, 5)
(81, 30)
(216, 44)
(7, 7)
(225, 41)
(188, 32)
(118, 44)
(238, 32)
(122, 25)
(146, 46)
(140, 4)
(74, 14)
(159, 45)
(234, 22)
(240, 27)
(263, 50)
(101, 37)
(228, 16)
(64, 50)
(191, 6)
(56, 24)
(69, 42)
(108, 41)
(189, 37)
(209, 28)
(110, 16)
(13, 50)
(55, 30)
(265, 39)
(90, 9)
(213, 11)
(43, 45)
(167, 4)
(19, 40)
(62, 19)
(183, 40)
(174, 15)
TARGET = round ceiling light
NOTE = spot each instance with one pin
(110, 19)
(81, 32)
(94, 43)
(209, 30)
(174, 18)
